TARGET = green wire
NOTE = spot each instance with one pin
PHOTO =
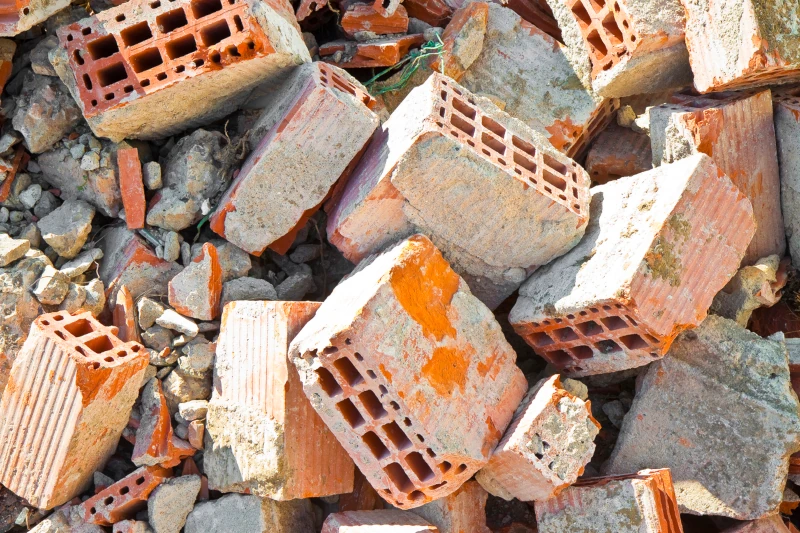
(412, 62)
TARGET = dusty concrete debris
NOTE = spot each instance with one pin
(250, 289)
(195, 292)
(52, 286)
(45, 112)
(155, 442)
(383, 521)
(171, 502)
(245, 513)
(67, 228)
(12, 249)
(752, 287)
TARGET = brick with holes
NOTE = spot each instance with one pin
(410, 372)
(659, 246)
(383, 521)
(737, 131)
(635, 503)
(315, 125)
(68, 398)
(786, 114)
(741, 44)
(546, 448)
(481, 184)
(125, 498)
(632, 46)
(264, 437)
(19, 16)
(150, 68)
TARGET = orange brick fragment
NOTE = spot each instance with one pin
(156, 444)
(463, 510)
(67, 401)
(131, 187)
(364, 18)
(363, 497)
(124, 318)
(125, 498)
(384, 52)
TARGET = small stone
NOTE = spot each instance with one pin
(165, 357)
(77, 151)
(246, 513)
(157, 338)
(95, 301)
(73, 301)
(176, 322)
(182, 431)
(52, 287)
(151, 175)
(172, 246)
(296, 286)
(31, 195)
(615, 412)
(45, 112)
(67, 228)
(132, 526)
(16, 217)
(4, 215)
(196, 291)
(194, 435)
(234, 262)
(47, 204)
(12, 249)
(180, 387)
(82, 263)
(198, 358)
(148, 311)
(31, 234)
(90, 161)
(305, 253)
(186, 253)
(193, 410)
(180, 340)
(576, 388)
(171, 502)
(247, 289)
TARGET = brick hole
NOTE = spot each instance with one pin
(348, 372)
(109, 96)
(87, 82)
(150, 58)
(86, 31)
(606, 308)
(79, 328)
(398, 477)
(444, 95)
(431, 452)
(203, 8)
(111, 74)
(461, 124)
(559, 357)
(493, 126)
(613, 322)
(161, 76)
(139, 480)
(464, 109)
(565, 334)
(120, 17)
(562, 197)
(596, 42)
(594, 310)
(472, 144)
(558, 321)
(493, 143)
(523, 145)
(395, 405)
(524, 162)
(541, 339)
(214, 33)
(95, 365)
(485, 151)
(155, 5)
(407, 422)
(138, 33)
(124, 490)
(548, 189)
(438, 485)
(45, 323)
(181, 46)
(589, 328)
(419, 466)
(584, 19)
(70, 37)
(357, 355)
(327, 382)
(136, 348)
(445, 466)
(81, 351)
(350, 413)
(78, 57)
(94, 102)
(397, 436)
(179, 69)
(461, 468)
(108, 501)
(634, 342)
(420, 438)
(144, 83)
(93, 510)
(26, 11)
(215, 57)
(372, 374)
(171, 20)
(122, 354)
(109, 359)
(372, 404)
(237, 21)
(608, 346)
(250, 44)
(582, 352)
(100, 344)
(608, 65)
(614, 32)
(383, 390)
(501, 161)
(375, 445)
(342, 86)
(633, 38)
(545, 322)
(574, 190)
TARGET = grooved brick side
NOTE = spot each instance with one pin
(410, 372)
(383, 521)
(69, 396)
(255, 388)
(124, 498)
(477, 160)
(659, 246)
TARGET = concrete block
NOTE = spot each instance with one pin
(171, 502)
(635, 503)
(12, 249)
(383, 521)
(717, 376)
(264, 437)
(549, 442)
(737, 131)
(463, 510)
(633, 46)
(148, 70)
(742, 44)
(786, 113)
(443, 161)
(131, 186)
(618, 152)
(67, 228)
(18, 17)
(195, 292)
(68, 398)
(245, 513)
(659, 246)
(315, 126)
(410, 372)
(125, 498)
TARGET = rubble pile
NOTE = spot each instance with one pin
(399, 266)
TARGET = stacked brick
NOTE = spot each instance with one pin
(480, 161)
(153, 68)
(418, 418)
(659, 246)
(72, 387)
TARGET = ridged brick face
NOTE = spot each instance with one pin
(124, 498)
(411, 373)
(67, 401)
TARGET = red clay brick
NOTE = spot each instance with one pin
(464, 510)
(124, 318)
(385, 52)
(618, 152)
(259, 393)
(21, 158)
(68, 399)
(131, 187)
(364, 17)
(363, 497)
(306, 7)
(125, 498)
(434, 12)
(411, 373)
(384, 521)
(156, 444)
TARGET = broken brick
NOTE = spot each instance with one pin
(383, 521)
(433, 12)
(131, 187)
(264, 437)
(195, 292)
(547, 446)
(19, 16)
(363, 498)
(316, 125)
(618, 152)
(384, 52)
(400, 360)
(737, 131)
(124, 318)
(365, 18)
(156, 444)
(439, 165)
(125, 498)
(68, 398)
(7, 49)
(646, 269)
(634, 503)
(151, 69)
(463, 510)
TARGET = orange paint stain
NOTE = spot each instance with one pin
(563, 132)
(447, 369)
(485, 366)
(386, 373)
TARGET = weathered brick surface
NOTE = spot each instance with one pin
(658, 248)
(635, 503)
(742, 44)
(317, 123)
(618, 152)
(123, 317)
(384, 52)
(149, 69)
(411, 373)
(384, 521)
(155, 443)
(263, 435)
(737, 132)
(717, 375)
(124, 498)
(549, 442)
(786, 111)
(463, 510)
(18, 16)
(365, 18)
(443, 161)
(363, 498)
(633, 46)
(68, 398)
(131, 187)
